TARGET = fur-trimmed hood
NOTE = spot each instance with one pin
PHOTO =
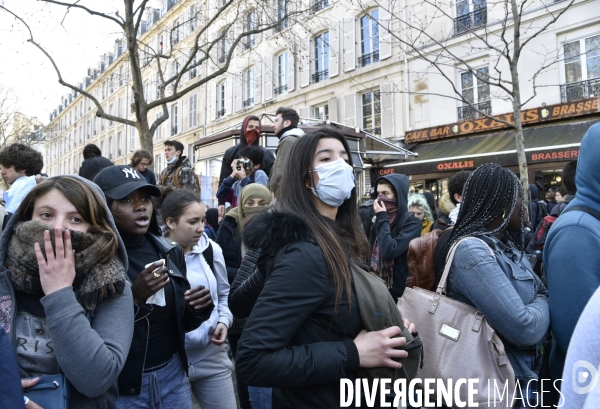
(273, 230)
(446, 205)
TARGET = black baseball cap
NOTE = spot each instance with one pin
(118, 181)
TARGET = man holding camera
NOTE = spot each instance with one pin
(245, 170)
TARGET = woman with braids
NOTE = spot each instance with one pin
(501, 285)
(305, 331)
(209, 363)
(64, 297)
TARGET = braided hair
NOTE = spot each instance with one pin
(487, 191)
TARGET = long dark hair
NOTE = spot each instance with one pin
(486, 193)
(343, 242)
(88, 203)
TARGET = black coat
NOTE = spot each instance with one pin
(228, 238)
(293, 341)
(130, 379)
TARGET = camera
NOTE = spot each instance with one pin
(245, 163)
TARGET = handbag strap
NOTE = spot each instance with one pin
(442, 285)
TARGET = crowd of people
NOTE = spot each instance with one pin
(122, 288)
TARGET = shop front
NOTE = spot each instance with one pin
(443, 151)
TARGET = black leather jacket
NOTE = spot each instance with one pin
(130, 380)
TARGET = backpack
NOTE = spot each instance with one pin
(536, 244)
(542, 211)
(178, 184)
(421, 261)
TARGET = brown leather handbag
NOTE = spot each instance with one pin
(458, 342)
(421, 260)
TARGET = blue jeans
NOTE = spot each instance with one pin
(260, 398)
(164, 388)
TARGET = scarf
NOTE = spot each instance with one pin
(94, 281)
(251, 191)
(252, 136)
(385, 268)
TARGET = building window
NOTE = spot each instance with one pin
(158, 134)
(174, 119)
(222, 48)
(191, 153)
(132, 132)
(193, 72)
(369, 39)
(158, 163)
(193, 122)
(175, 33)
(582, 69)
(476, 92)
(193, 18)
(321, 58)
(282, 13)
(470, 14)
(110, 112)
(282, 73)
(221, 88)
(319, 5)
(250, 40)
(120, 108)
(119, 143)
(371, 112)
(321, 112)
(248, 81)
(110, 147)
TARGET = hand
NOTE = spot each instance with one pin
(378, 206)
(57, 271)
(26, 384)
(218, 337)
(238, 174)
(378, 348)
(198, 298)
(411, 326)
(146, 284)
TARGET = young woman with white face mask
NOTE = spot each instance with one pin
(305, 332)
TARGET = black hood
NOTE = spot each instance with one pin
(273, 230)
(400, 185)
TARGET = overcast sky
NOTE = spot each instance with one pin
(75, 41)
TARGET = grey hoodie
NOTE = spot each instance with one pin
(90, 356)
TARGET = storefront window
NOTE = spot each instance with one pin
(209, 171)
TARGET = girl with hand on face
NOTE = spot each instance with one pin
(65, 299)
(165, 307)
(209, 363)
(305, 331)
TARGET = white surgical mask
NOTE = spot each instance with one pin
(336, 181)
(173, 160)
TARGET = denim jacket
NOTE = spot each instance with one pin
(508, 293)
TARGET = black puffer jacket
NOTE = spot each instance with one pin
(228, 238)
(293, 341)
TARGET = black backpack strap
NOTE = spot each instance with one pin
(208, 256)
(583, 209)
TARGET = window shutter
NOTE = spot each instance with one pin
(268, 77)
(304, 113)
(334, 51)
(305, 62)
(385, 38)
(333, 109)
(228, 96)
(386, 99)
(211, 91)
(238, 91)
(291, 79)
(349, 44)
(180, 116)
(350, 110)
(257, 83)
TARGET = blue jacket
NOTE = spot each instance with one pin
(571, 253)
(510, 295)
(228, 238)
(10, 379)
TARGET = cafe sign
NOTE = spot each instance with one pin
(528, 117)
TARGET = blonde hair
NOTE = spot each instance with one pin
(419, 201)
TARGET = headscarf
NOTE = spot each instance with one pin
(251, 191)
(250, 137)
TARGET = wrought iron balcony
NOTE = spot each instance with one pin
(580, 90)
(470, 21)
(221, 113)
(248, 102)
(319, 5)
(368, 59)
(468, 112)
(281, 90)
(320, 76)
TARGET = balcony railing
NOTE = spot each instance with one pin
(248, 102)
(375, 131)
(469, 112)
(281, 90)
(221, 113)
(470, 21)
(282, 25)
(580, 90)
(319, 5)
(368, 59)
(320, 76)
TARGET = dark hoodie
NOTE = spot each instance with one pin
(231, 153)
(393, 240)
(571, 257)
